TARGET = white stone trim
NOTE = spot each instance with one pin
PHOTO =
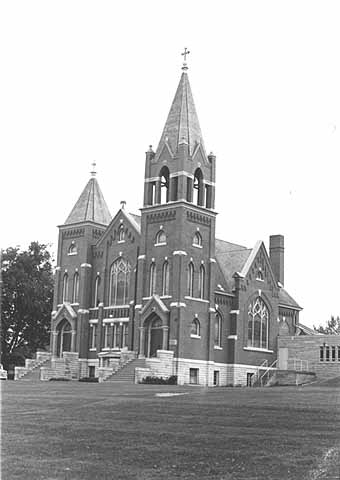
(160, 244)
(86, 265)
(83, 310)
(192, 335)
(216, 347)
(178, 304)
(232, 337)
(115, 320)
(235, 312)
(138, 306)
(196, 299)
(179, 252)
(255, 349)
(212, 260)
(93, 321)
(197, 246)
(141, 257)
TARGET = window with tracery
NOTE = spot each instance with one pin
(121, 234)
(75, 293)
(218, 331)
(165, 278)
(201, 282)
(119, 282)
(258, 324)
(65, 288)
(152, 280)
(191, 280)
(195, 328)
(160, 237)
(197, 240)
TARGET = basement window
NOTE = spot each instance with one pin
(193, 376)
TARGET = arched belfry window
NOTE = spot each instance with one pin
(165, 177)
(258, 324)
(197, 240)
(121, 234)
(165, 278)
(72, 249)
(218, 330)
(191, 279)
(198, 194)
(195, 328)
(119, 282)
(75, 293)
(152, 279)
(201, 282)
(160, 238)
(65, 288)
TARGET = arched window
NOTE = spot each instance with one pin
(96, 291)
(259, 275)
(72, 249)
(258, 324)
(165, 278)
(195, 328)
(119, 282)
(197, 240)
(198, 188)
(201, 282)
(165, 175)
(121, 234)
(218, 331)
(191, 280)
(75, 293)
(160, 238)
(65, 288)
(152, 284)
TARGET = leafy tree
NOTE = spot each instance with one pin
(332, 326)
(26, 301)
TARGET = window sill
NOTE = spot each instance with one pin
(195, 336)
(255, 349)
(121, 241)
(166, 296)
(161, 244)
(260, 279)
(92, 349)
(72, 253)
(217, 347)
(197, 299)
(197, 246)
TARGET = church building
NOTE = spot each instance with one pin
(157, 293)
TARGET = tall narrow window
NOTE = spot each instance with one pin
(201, 282)
(65, 288)
(321, 354)
(165, 278)
(152, 284)
(119, 282)
(218, 331)
(258, 324)
(96, 291)
(191, 280)
(197, 240)
(198, 188)
(121, 234)
(165, 175)
(75, 293)
(195, 328)
(174, 188)
(93, 336)
(189, 189)
(106, 335)
(152, 193)
(208, 196)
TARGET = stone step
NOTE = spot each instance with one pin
(127, 372)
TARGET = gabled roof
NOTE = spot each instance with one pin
(231, 258)
(182, 125)
(90, 206)
(286, 300)
(303, 330)
(136, 219)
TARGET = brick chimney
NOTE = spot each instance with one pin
(276, 254)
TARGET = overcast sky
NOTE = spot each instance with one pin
(83, 81)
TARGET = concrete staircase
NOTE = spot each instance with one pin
(31, 371)
(126, 372)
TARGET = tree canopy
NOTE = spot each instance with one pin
(26, 301)
(332, 326)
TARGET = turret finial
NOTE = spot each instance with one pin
(94, 171)
(123, 203)
(185, 53)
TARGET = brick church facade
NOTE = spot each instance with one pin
(159, 289)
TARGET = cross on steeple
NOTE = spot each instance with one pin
(94, 171)
(185, 53)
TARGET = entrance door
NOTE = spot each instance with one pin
(156, 337)
(64, 337)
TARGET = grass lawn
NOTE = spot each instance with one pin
(72, 430)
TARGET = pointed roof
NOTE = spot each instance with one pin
(182, 125)
(91, 206)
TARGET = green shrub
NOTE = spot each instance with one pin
(59, 379)
(160, 380)
(89, 379)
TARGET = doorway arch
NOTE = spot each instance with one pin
(154, 336)
(64, 331)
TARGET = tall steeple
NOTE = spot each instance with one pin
(91, 205)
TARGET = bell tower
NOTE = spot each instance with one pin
(177, 252)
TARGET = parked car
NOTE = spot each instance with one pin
(3, 373)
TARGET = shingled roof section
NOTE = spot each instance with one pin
(182, 125)
(231, 258)
(91, 206)
(286, 300)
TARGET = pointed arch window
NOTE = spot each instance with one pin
(121, 234)
(195, 328)
(165, 176)
(96, 291)
(197, 240)
(165, 278)
(198, 193)
(191, 279)
(258, 324)
(201, 284)
(119, 282)
(65, 288)
(75, 293)
(218, 331)
(160, 238)
(152, 280)
(72, 249)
